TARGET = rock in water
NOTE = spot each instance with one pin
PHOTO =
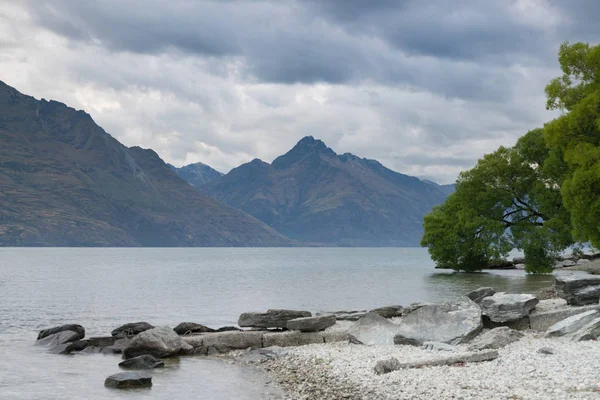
(129, 380)
(72, 327)
(191, 327)
(502, 307)
(478, 295)
(311, 324)
(158, 342)
(580, 289)
(451, 323)
(142, 362)
(389, 311)
(270, 319)
(496, 338)
(131, 329)
(571, 325)
(373, 329)
(59, 338)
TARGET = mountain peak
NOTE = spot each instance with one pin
(306, 146)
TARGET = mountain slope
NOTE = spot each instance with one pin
(66, 182)
(197, 174)
(314, 195)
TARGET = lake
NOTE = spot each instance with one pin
(104, 288)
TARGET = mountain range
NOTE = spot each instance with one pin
(64, 181)
(313, 195)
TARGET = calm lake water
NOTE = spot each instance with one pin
(104, 288)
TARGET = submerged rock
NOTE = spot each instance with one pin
(503, 307)
(131, 329)
(580, 289)
(496, 338)
(129, 380)
(191, 327)
(71, 327)
(158, 342)
(478, 295)
(311, 324)
(142, 362)
(270, 319)
(59, 338)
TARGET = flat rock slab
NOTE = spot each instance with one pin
(479, 294)
(591, 331)
(142, 362)
(572, 324)
(503, 307)
(129, 380)
(452, 322)
(58, 338)
(311, 324)
(158, 342)
(579, 289)
(373, 329)
(392, 364)
(496, 338)
(191, 327)
(223, 342)
(270, 319)
(541, 321)
(71, 327)
(131, 329)
(389, 311)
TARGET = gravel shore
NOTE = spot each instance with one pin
(345, 371)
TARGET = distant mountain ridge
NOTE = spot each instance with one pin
(197, 174)
(313, 195)
(65, 182)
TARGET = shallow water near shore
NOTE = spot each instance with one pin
(104, 288)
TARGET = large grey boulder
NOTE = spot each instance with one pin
(579, 289)
(478, 295)
(191, 327)
(270, 319)
(452, 322)
(389, 311)
(373, 329)
(131, 329)
(503, 307)
(542, 320)
(572, 324)
(591, 331)
(158, 342)
(496, 338)
(311, 324)
(142, 362)
(129, 380)
(71, 327)
(58, 338)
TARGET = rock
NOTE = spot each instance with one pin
(72, 327)
(479, 294)
(546, 350)
(129, 380)
(500, 264)
(414, 307)
(228, 329)
(591, 331)
(119, 345)
(502, 307)
(311, 324)
(452, 322)
(59, 338)
(495, 339)
(223, 342)
(191, 327)
(350, 316)
(68, 348)
(402, 340)
(142, 362)
(259, 355)
(518, 260)
(292, 338)
(571, 325)
(389, 311)
(522, 324)
(373, 329)
(131, 329)
(437, 346)
(564, 263)
(101, 342)
(392, 364)
(270, 319)
(580, 289)
(158, 342)
(541, 321)
(583, 261)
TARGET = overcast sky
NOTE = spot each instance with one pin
(425, 87)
